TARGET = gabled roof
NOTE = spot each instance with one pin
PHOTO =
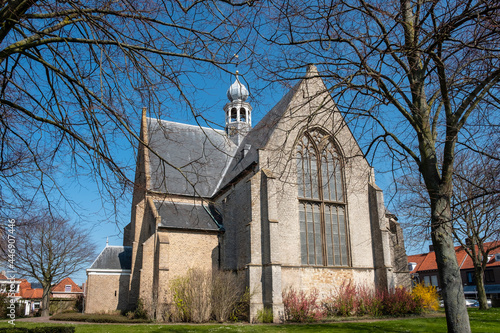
(427, 261)
(468, 264)
(114, 258)
(418, 259)
(33, 293)
(200, 155)
(61, 286)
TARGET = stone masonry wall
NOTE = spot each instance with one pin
(106, 293)
(317, 111)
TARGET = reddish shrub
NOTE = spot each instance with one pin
(350, 300)
(367, 302)
(399, 301)
(343, 301)
(301, 307)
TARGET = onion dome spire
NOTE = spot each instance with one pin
(238, 112)
(237, 91)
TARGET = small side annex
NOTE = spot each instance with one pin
(108, 279)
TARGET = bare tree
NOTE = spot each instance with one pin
(75, 75)
(420, 71)
(474, 209)
(48, 249)
(476, 214)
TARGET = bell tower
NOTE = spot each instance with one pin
(238, 112)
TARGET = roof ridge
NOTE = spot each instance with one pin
(185, 124)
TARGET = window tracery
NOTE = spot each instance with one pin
(322, 204)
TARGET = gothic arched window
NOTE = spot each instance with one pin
(322, 204)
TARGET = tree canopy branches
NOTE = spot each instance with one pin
(75, 75)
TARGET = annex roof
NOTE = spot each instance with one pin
(114, 258)
(192, 216)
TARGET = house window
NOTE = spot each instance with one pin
(427, 281)
(434, 280)
(489, 276)
(67, 288)
(471, 279)
(322, 206)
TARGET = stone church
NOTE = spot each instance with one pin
(289, 202)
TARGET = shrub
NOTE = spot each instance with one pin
(59, 305)
(343, 301)
(265, 315)
(349, 300)
(427, 295)
(399, 301)
(301, 307)
(5, 302)
(227, 292)
(140, 311)
(367, 303)
(192, 296)
(242, 308)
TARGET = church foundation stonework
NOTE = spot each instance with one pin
(291, 202)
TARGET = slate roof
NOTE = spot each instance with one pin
(200, 153)
(114, 257)
(177, 215)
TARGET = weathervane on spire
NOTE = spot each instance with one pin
(237, 62)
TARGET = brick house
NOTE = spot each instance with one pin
(423, 268)
(32, 297)
(291, 202)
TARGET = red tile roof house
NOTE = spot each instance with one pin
(18, 287)
(66, 289)
(423, 268)
(32, 297)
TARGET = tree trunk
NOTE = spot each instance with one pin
(457, 317)
(481, 293)
(45, 301)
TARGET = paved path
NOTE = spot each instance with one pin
(47, 320)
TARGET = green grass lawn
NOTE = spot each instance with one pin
(481, 321)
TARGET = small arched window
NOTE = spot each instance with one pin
(234, 115)
(322, 204)
(243, 115)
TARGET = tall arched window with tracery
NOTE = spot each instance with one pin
(322, 203)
